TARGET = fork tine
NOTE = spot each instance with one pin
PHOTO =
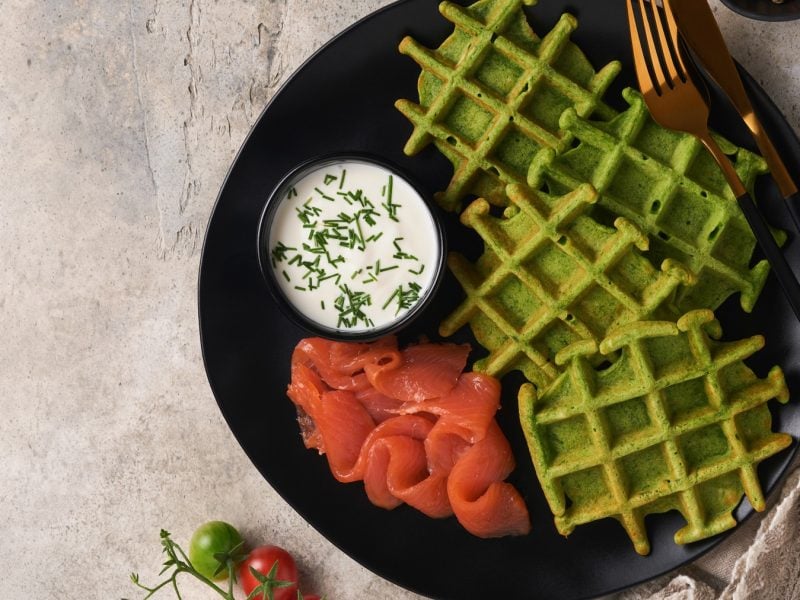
(666, 47)
(674, 37)
(642, 73)
(655, 60)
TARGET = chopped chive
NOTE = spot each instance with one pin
(350, 305)
(392, 297)
(286, 276)
(322, 304)
(405, 298)
(421, 269)
(341, 181)
(400, 255)
(292, 192)
(302, 289)
(324, 195)
(329, 178)
(360, 235)
(280, 251)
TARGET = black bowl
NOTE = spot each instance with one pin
(268, 273)
(765, 10)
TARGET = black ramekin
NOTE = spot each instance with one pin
(265, 224)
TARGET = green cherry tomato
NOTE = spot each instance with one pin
(209, 539)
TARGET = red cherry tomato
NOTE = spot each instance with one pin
(262, 560)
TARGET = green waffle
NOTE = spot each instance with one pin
(551, 276)
(670, 186)
(677, 422)
(505, 106)
(492, 94)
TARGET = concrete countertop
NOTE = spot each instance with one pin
(119, 122)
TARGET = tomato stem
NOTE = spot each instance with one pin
(231, 577)
(177, 559)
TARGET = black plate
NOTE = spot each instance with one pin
(342, 100)
(765, 10)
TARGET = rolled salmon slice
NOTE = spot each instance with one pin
(397, 472)
(350, 358)
(344, 425)
(485, 505)
(341, 365)
(469, 406)
(396, 467)
(425, 371)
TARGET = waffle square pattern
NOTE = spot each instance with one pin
(677, 421)
(551, 276)
(492, 96)
(508, 107)
(670, 187)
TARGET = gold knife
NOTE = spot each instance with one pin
(701, 33)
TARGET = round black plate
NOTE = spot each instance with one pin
(765, 10)
(342, 100)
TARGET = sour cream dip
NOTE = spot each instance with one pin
(352, 246)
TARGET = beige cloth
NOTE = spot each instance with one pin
(760, 561)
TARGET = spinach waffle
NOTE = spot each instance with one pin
(676, 422)
(551, 276)
(506, 106)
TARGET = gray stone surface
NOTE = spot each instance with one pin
(118, 123)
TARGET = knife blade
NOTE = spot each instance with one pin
(701, 33)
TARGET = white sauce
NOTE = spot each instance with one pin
(353, 246)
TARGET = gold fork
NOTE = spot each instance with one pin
(675, 102)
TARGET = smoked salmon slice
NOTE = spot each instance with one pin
(425, 371)
(379, 407)
(483, 503)
(412, 426)
(470, 405)
(341, 365)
